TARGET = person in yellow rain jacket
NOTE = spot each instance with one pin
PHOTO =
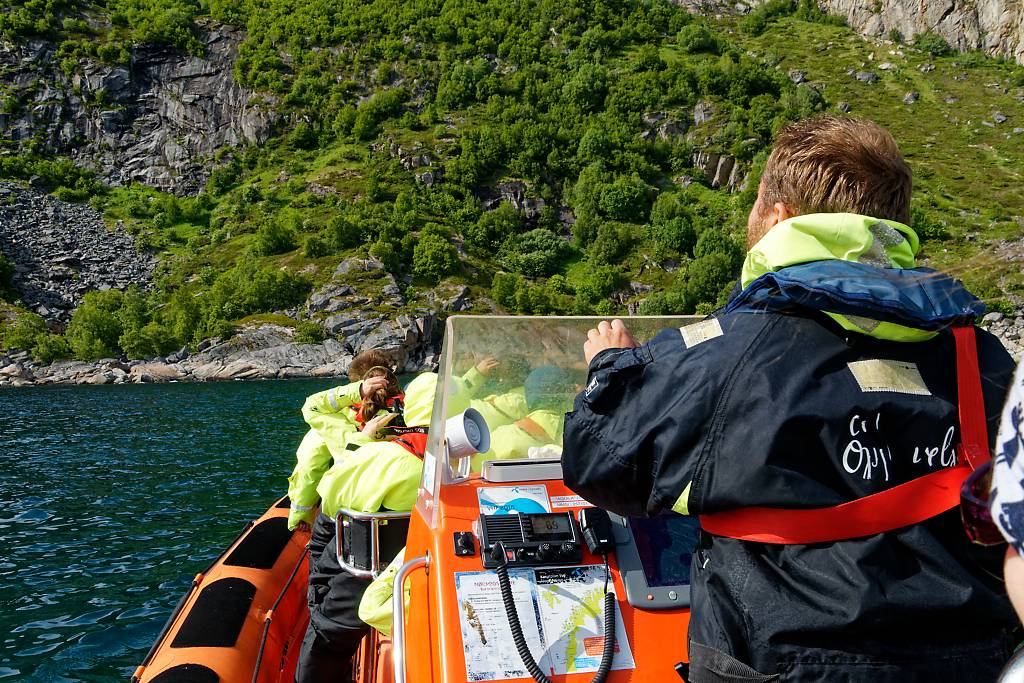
(378, 475)
(340, 424)
(548, 392)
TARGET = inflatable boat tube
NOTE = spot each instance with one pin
(243, 618)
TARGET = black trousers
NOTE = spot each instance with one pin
(335, 629)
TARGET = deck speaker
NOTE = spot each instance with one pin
(467, 433)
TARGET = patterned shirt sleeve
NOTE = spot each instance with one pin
(1007, 501)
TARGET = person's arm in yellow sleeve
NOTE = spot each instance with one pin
(312, 460)
(330, 414)
(376, 607)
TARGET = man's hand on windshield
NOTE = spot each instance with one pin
(372, 385)
(613, 335)
(485, 366)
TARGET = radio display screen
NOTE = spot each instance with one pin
(665, 545)
(551, 527)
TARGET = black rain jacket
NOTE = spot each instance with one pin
(769, 413)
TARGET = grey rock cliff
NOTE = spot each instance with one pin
(158, 120)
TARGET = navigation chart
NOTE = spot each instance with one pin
(561, 612)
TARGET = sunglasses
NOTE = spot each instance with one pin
(974, 508)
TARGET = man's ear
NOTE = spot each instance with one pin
(778, 213)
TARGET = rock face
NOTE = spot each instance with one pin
(61, 251)
(155, 121)
(262, 352)
(994, 26)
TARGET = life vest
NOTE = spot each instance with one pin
(903, 505)
(412, 439)
(395, 404)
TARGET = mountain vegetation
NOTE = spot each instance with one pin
(554, 157)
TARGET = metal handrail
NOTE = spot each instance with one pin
(374, 518)
(398, 613)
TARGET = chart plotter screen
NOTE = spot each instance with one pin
(665, 544)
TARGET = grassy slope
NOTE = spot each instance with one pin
(967, 173)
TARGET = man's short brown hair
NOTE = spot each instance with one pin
(838, 164)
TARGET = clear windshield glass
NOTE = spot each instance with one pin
(522, 375)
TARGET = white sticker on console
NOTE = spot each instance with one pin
(513, 500)
(569, 502)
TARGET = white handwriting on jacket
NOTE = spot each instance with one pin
(868, 460)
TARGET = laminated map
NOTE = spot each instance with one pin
(561, 610)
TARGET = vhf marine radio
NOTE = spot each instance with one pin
(531, 539)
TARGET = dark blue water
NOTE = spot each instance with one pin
(113, 497)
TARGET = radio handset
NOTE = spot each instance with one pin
(596, 526)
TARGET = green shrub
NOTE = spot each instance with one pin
(932, 44)
(698, 37)
(612, 241)
(344, 232)
(756, 21)
(624, 199)
(309, 332)
(492, 228)
(24, 332)
(536, 253)
(434, 257)
(315, 246)
(665, 303)
(707, 276)
(95, 326)
(250, 288)
(674, 236)
(274, 237)
(717, 241)
(51, 347)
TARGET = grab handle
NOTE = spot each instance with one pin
(398, 613)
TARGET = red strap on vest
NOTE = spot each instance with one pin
(414, 442)
(530, 426)
(909, 503)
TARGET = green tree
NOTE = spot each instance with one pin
(276, 236)
(434, 257)
(698, 37)
(494, 227)
(95, 326)
(22, 334)
(536, 253)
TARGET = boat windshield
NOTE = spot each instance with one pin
(521, 374)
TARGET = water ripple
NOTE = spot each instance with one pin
(113, 498)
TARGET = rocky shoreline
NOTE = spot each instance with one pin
(261, 352)
(270, 352)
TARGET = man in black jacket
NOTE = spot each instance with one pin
(831, 377)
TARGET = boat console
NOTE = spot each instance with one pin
(595, 596)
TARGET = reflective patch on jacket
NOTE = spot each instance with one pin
(880, 374)
(698, 333)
